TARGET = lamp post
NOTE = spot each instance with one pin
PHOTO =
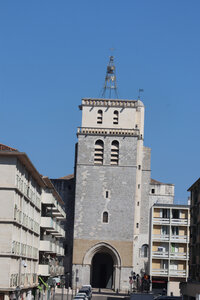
(63, 284)
(77, 279)
(68, 274)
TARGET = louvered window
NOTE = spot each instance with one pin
(114, 160)
(116, 117)
(98, 153)
(99, 117)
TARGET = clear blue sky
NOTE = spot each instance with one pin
(53, 53)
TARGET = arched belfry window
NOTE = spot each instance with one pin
(144, 250)
(115, 117)
(98, 152)
(99, 116)
(105, 217)
(114, 160)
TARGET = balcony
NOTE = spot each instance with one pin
(48, 223)
(162, 272)
(46, 246)
(179, 238)
(160, 254)
(60, 250)
(43, 270)
(178, 255)
(160, 237)
(179, 221)
(60, 232)
(177, 273)
(48, 199)
(161, 221)
(52, 270)
(52, 205)
(61, 270)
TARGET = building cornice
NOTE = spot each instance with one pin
(108, 131)
(120, 103)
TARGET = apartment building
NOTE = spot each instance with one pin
(169, 247)
(20, 197)
(51, 250)
(191, 289)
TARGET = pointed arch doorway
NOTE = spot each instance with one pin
(105, 266)
(102, 271)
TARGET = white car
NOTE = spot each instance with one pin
(82, 295)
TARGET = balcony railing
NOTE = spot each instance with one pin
(161, 220)
(162, 272)
(160, 254)
(166, 272)
(177, 273)
(173, 221)
(161, 237)
(179, 221)
(179, 238)
(44, 270)
(178, 255)
(48, 223)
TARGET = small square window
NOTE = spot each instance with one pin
(153, 191)
(136, 126)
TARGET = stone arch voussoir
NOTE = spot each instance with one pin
(102, 248)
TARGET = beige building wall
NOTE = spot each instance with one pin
(169, 253)
(20, 196)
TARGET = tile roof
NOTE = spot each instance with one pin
(70, 176)
(6, 148)
(153, 181)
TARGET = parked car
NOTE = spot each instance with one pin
(82, 295)
(86, 290)
(79, 297)
(87, 286)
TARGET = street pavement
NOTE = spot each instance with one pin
(104, 295)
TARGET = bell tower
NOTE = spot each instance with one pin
(112, 188)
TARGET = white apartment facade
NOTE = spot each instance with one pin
(51, 250)
(20, 197)
(169, 246)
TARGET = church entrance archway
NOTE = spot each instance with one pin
(102, 266)
(102, 271)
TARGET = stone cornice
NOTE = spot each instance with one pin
(108, 131)
(121, 103)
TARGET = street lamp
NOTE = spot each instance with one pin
(68, 274)
(62, 285)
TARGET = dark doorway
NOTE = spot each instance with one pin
(102, 271)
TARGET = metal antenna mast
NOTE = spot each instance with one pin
(110, 80)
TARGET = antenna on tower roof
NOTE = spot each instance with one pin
(139, 91)
(110, 83)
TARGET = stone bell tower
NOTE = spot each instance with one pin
(112, 190)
